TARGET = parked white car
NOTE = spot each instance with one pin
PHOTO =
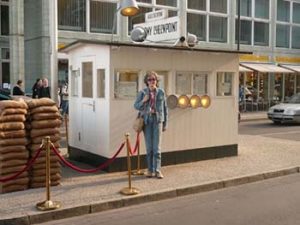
(288, 112)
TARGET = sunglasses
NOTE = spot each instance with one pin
(151, 79)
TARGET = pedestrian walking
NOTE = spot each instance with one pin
(44, 90)
(18, 90)
(35, 88)
(151, 104)
(65, 99)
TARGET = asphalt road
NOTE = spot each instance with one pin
(268, 129)
(270, 202)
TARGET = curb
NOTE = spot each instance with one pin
(140, 199)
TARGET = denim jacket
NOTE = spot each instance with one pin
(160, 106)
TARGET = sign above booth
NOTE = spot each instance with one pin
(156, 15)
(161, 29)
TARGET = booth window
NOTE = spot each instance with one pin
(191, 83)
(101, 83)
(224, 83)
(87, 79)
(163, 80)
(74, 83)
(126, 84)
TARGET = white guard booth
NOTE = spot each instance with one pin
(105, 78)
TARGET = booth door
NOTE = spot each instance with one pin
(88, 108)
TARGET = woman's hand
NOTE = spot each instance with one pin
(145, 99)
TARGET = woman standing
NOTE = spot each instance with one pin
(151, 104)
(35, 88)
(44, 90)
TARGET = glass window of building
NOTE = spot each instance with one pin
(197, 4)
(296, 37)
(217, 29)
(126, 84)
(75, 83)
(219, 6)
(296, 12)
(87, 79)
(245, 32)
(102, 16)
(183, 83)
(289, 85)
(297, 83)
(261, 33)
(4, 53)
(224, 83)
(196, 24)
(100, 83)
(200, 83)
(262, 9)
(283, 10)
(5, 75)
(167, 2)
(282, 36)
(4, 20)
(144, 1)
(71, 15)
(245, 8)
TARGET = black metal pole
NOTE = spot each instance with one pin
(239, 24)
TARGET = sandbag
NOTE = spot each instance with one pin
(9, 170)
(13, 141)
(13, 104)
(42, 184)
(13, 118)
(13, 134)
(24, 179)
(13, 111)
(14, 155)
(42, 178)
(42, 171)
(43, 132)
(42, 160)
(35, 147)
(13, 162)
(9, 149)
(46, 116)
(12, 126)
(41, 124)
(53, 138)
(44, 109)
(33, 103)
(43, 166)
(13, 187)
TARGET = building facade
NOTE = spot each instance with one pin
(268, 28)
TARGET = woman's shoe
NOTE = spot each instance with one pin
(159, 175)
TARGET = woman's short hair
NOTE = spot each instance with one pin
(19, 82)
(151, 73)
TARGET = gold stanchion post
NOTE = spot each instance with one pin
(67, 131)
(47, 204)
(138, 170)
(129, 190)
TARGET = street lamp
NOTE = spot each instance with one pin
(128, 7)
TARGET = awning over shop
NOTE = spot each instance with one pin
(244, 69)
(266, 68)
(295, 68)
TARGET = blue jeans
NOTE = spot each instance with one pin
(152, 133)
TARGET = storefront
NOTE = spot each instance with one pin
(265, 84)
(105, 79)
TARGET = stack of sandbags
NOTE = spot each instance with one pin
(44, 120)
(13, 153)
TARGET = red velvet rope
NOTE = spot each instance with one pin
(136, 144)
(28, 165)
(87, 170)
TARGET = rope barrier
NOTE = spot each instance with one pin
(28, 165)
(100, 167)
(136, 144)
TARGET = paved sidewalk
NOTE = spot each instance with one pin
(249, 116)
(257, 160)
